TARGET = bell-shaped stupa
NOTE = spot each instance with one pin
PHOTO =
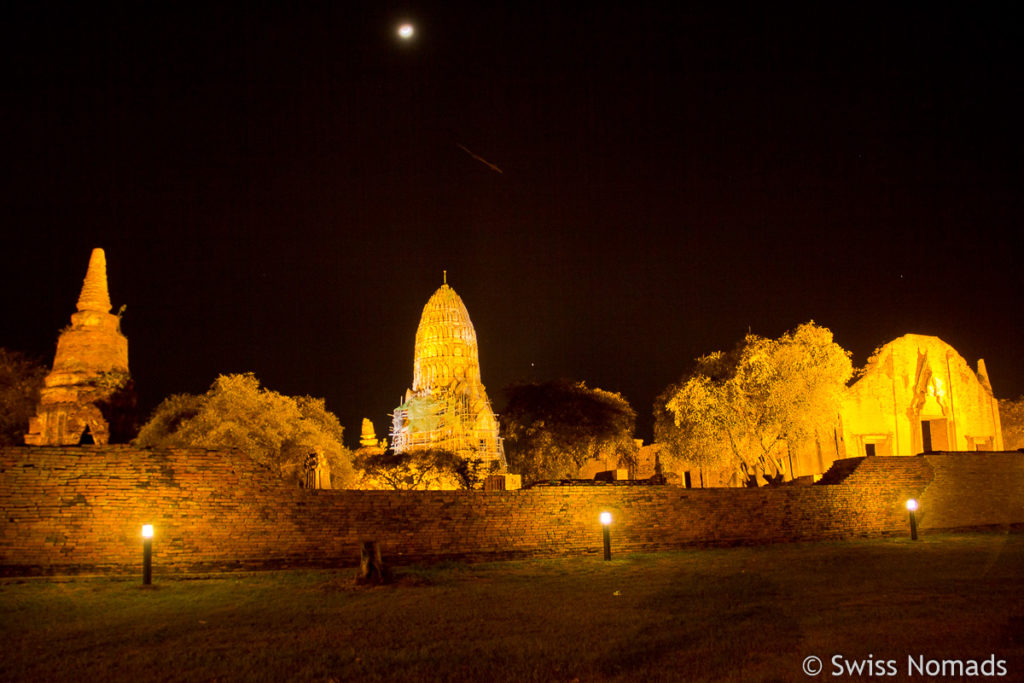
(88, 396)
(368, 437)
(447, 407)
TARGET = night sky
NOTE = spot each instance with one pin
(279, 191)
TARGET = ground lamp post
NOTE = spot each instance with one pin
(606, 521)
(912, 506)
(147, 554)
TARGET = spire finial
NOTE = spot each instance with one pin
(94, 296)
(445, 276)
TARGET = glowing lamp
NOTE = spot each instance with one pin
(405, 31)
(606, 521)
(912, 507)
(147, 554)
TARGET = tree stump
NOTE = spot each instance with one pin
(371, 566)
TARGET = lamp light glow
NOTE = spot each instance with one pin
(606, 522)
(147, 554)
(405, 31)
(912, 507)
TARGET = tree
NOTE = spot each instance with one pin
(553, 428)
(276, 430)
(320, 431)
(421, 469)
(21, 379)
(1011, 415)
(744, 408)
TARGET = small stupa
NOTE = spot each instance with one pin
(88, 397)
(368, 436)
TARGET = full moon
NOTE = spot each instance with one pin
(405, 31)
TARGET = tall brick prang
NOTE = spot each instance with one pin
(447, 406)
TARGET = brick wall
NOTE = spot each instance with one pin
(973, 490)
(81, 509)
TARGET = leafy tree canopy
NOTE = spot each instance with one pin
(421, 469)
(277, 430)
(1011, 415)
(741, 408)
(552, 428)
(21, 378)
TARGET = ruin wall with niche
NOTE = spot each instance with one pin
(915, 379)
(76, 509)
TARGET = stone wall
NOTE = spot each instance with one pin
(81, 509)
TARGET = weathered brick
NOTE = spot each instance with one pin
(71, 509)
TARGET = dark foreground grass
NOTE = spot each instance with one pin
(731, 614)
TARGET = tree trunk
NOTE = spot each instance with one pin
(371, 566)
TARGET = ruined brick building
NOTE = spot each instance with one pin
(88, 395)
(918, 394)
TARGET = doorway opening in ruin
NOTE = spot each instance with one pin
(86, 438)
(934, 435)
(877, 444)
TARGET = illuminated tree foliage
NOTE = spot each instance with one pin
(1011, 415)
(277, 430)
(552, 429)
(21, 378)
(743, 408)
(421, 469)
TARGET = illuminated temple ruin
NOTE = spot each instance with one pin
(88, 395)
(918, 394)
(447, 406)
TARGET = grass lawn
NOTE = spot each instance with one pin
(726, 614)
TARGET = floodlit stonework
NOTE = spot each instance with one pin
(915, 394)
(368, 436)
(70, 511)
(88, 396)
(918, 394)
(447, 406)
